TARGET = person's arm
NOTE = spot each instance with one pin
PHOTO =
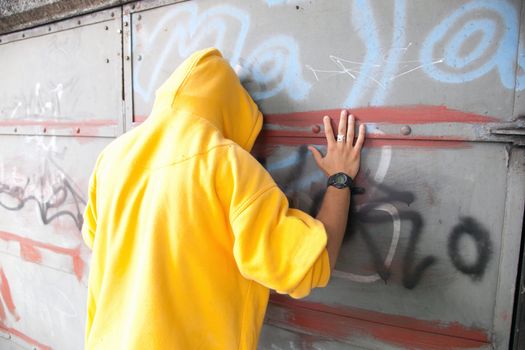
(341, 156)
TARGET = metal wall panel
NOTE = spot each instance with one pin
(310, 55)
(414, 248)
(432, 248)
(43, 260)
(62, 77)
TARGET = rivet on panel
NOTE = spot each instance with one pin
(106, 28)
(406, 130)
(23, 35)
(48, 29)
(139, 58)
(78, 130)
(107, 60)
(127, 58)
(133, 6)
(112, 14)
(316, 129)
(139, 17)
(16, 130)
(78, 22)
(126, 24)
(119, 31)
(45, 130)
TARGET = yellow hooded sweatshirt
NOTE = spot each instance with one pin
(188, 231)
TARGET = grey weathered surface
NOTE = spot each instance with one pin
(17, 15)
(432, 249)
(54, 74)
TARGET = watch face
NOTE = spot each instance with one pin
(340, 179)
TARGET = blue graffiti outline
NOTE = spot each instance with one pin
(285, 65)
(395, 52)
(520, 79)
(291, 160)
(502, 59)
(182, 33)
(271, 3)
(281, 50)
(451, 53)
(364, 24)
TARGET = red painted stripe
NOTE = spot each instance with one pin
(345, 323)
(5, 292)
(2, 313)
(285, 129)
(139, 119)
(25, 338)
(287, 138)
(412, 114)
(417, 114)
(29, 253)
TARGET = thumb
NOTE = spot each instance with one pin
(316, 154)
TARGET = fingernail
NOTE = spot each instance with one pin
(326, 117)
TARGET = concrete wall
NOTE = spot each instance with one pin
(432, 249)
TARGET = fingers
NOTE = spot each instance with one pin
(342, 124)
(329, 133)
(316, 154)
(360, 138)
(350, 131)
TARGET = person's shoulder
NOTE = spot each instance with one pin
(112, 145)
(233, 159)
(232, 150)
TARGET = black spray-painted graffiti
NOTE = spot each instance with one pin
(413, 269)
(15, 198)
(470, 227)
(413, 266)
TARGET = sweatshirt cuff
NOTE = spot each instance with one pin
(317, 276)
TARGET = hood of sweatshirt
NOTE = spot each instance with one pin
(206, 87)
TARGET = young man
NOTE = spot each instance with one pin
(189, 232)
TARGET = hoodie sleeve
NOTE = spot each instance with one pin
(279, 247)
(89, 225)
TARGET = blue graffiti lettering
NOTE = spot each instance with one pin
(189, 32)
(397, 49)
(459, 69)
(274, 66)
(364, 24)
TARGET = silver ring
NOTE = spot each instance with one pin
(341, 138)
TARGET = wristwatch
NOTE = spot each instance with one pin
(340, 180)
